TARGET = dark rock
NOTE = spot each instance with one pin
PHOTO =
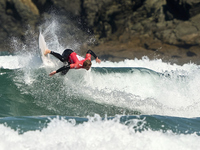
(191, 54)
(167, 29)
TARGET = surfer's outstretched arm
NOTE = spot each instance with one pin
(66, 68)
(94, 55)
(52, 73)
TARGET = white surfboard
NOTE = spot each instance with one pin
(42, 45)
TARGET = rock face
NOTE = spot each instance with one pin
(123, 28)
(15, 14)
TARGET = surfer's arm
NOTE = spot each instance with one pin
(52, 73)
(60, 69)
(63, 68)
(94, 55)
(91, 53)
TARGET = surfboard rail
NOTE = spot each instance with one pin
(43, 46)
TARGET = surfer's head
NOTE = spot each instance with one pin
(87, 64)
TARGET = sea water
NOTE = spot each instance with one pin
(132, 104)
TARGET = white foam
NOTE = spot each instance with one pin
(157, 64)
(176, 94)
(10, 62)
(98, 135)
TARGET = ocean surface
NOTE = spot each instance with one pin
(138, 104)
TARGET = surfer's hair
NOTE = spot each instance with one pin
(87, 63)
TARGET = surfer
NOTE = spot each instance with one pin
(72, 60)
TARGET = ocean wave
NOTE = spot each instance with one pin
(97, 133)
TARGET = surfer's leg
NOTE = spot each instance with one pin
(60, 57)
(66, 54)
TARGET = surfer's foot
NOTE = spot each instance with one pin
(47, 51)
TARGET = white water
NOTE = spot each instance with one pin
(172, 95)
(95, 134)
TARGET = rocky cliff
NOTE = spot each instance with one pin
(167, 29)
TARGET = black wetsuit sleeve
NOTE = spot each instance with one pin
(92, 53)
(63, 68)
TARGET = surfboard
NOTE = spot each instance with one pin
(42, 45)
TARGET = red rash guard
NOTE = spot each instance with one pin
(76, 61)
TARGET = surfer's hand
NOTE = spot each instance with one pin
(98, 60)
(52, 73)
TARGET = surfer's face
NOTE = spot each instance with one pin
(87, 64)
(87, 67)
